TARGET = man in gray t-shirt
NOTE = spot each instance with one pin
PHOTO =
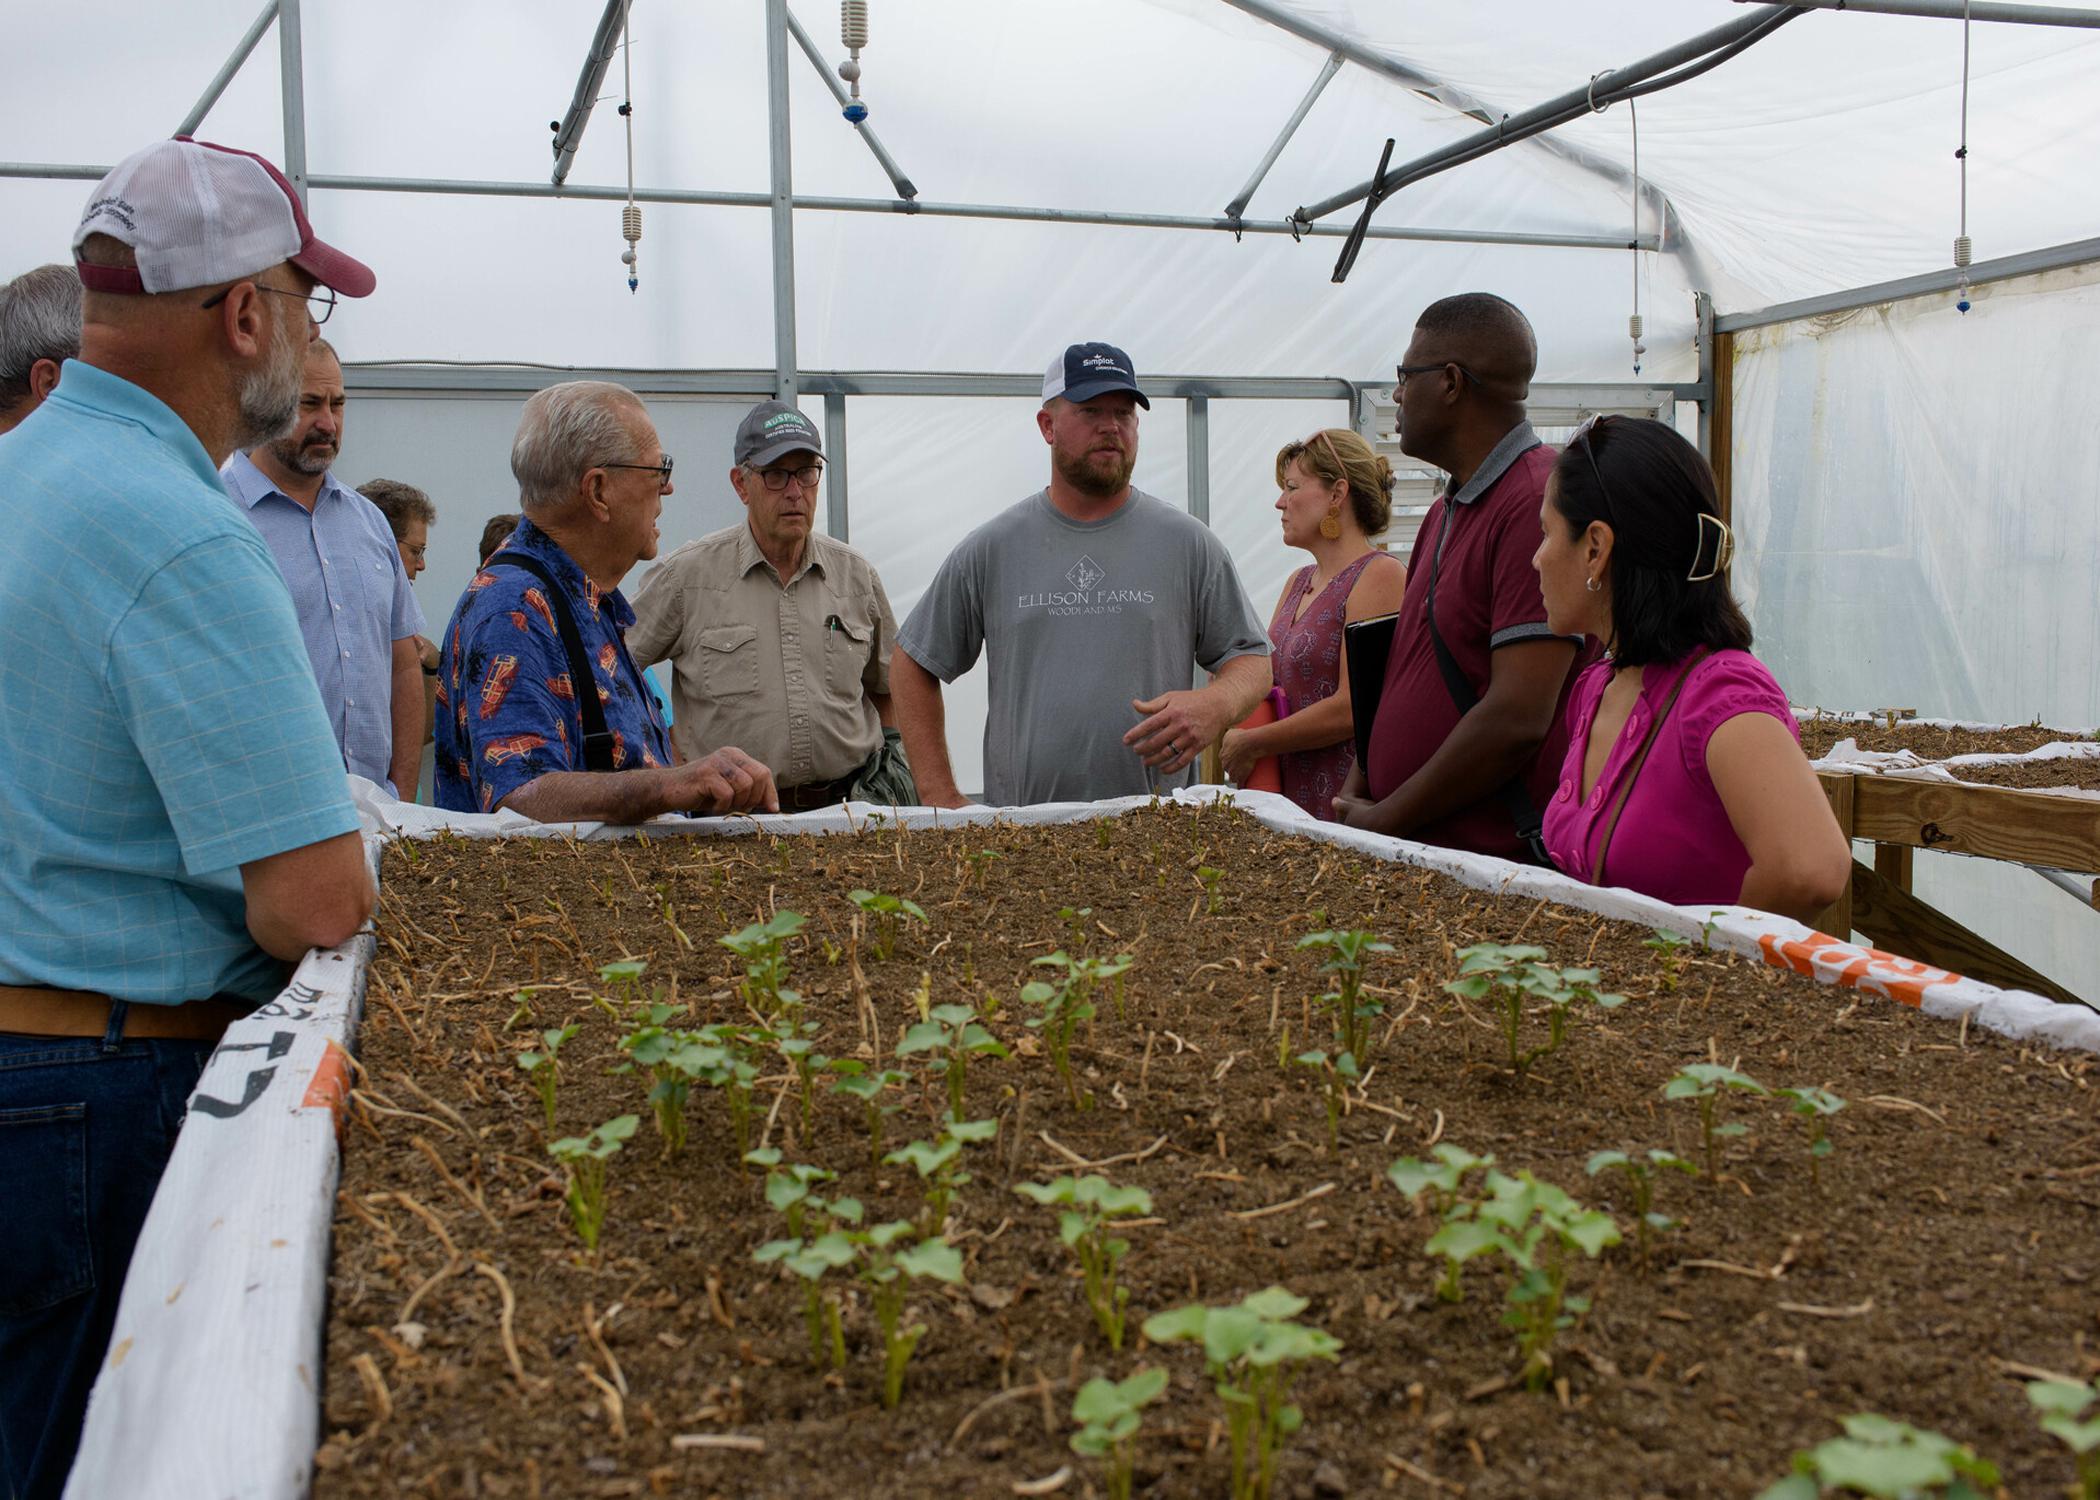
(1094, 600)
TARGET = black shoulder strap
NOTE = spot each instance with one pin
(597, 738)
(1513, 792)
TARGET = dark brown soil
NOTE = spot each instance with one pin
(1952, 1242)
(1819, 736)
(2082, 773)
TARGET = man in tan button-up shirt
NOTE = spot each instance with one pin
(778, 637)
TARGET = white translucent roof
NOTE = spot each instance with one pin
(1820, 159)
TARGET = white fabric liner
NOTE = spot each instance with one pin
(211, 1387)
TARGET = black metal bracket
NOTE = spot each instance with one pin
(1372, 199)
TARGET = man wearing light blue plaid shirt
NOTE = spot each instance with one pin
(175, 828)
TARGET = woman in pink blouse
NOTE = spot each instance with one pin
(1336, 494)
(1684, 778)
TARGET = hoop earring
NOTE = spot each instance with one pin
(1590, 584)
(1331, 523)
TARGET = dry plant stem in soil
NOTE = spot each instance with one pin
(1954, 1226)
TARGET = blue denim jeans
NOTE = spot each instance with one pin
(86, 1126)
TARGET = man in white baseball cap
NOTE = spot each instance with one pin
(178, 826)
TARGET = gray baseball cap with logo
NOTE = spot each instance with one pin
(771, 431)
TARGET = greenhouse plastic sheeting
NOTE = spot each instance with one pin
(211, 1388)
(1916, 524)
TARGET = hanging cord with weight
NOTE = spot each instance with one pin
(631, 215)
(1962, 252)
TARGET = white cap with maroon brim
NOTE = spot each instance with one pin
(196, 214)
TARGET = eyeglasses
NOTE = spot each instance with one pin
(1582, 435)
(776, 480)
(320, 302)
(662, 471)
(1401, 372)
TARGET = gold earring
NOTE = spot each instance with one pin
(1331, 523)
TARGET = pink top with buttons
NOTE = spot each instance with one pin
(1674, 840)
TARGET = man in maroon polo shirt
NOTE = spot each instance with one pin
(1467, 741)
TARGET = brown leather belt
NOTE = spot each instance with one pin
(813, 794)
(30, 1011)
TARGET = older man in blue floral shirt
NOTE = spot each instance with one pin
(542, 624)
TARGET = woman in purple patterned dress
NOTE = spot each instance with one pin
(1336, 495)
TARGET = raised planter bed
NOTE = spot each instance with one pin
(1928, 739)
(1949, 1243)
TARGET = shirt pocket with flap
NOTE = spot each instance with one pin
(846, 650)
(729, 661)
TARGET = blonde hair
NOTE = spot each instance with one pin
(1337, 454)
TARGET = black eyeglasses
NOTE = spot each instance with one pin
(1401, 372)
(320, 302)
(662, 471)
(808, 477)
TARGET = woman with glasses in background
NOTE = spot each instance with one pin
(1684, 778)
(1336, 494)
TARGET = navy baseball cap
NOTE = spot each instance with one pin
(1085, 371)
(772, 430)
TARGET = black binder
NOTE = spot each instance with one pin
(1365, 646)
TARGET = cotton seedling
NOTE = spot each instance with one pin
(1088, 974)
(1336, 1073)
(1253, 1352)
(1346, 952)
(731, 1066)
(888, 1259)
(1063, 1007)
(1443, 1181)
(938, 1163)
(979, 865)
(1088, 1206)
(1109, 1414)
(1668, 949)
(790, 1186)
(889, 913)
(858, 1081)
(541, 1065)
(2062, 1405)
(1641, 1173)
(1210, 876)
(952, 1034)
(624, 978)
(1705, 1082)
(1513, 976)
(585, 1158)
(1889, 1460)
(763, 948)
(1075, 920)
(670, 1060)
(796, 1044)
(817, 1243)
(1814, 1107)
(670, 916)
(1538, 1228)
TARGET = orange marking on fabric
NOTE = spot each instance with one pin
(329, 1088)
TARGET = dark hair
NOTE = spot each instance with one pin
(497, 532)
(1650, 486)
(399, 503)
(1489, 336)
(1337, 453)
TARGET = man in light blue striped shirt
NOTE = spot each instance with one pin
(357, 612)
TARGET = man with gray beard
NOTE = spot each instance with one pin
(1093, 602)
(357, 612)
(178, 831)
